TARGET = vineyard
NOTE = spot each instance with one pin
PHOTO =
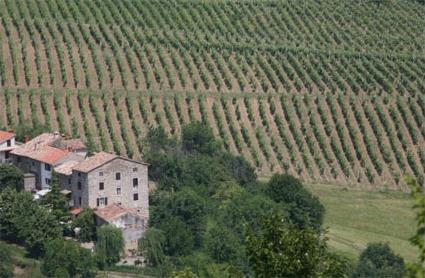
(325, 90)
(345, 138)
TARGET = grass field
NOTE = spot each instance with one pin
(24, 266)
(356, 217)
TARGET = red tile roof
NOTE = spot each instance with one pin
(4, 136)
(50, 155)
(94, 161)
(111, 212)
(39, 149)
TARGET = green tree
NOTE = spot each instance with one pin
(221, 243)
(109, 245)
(151, 246)
(24, 220)
(57, 201)
(417, 270)
(86, 222)
(185, 273)
(378, 260)
(67, 259)
(282, 250)
(198, 137)
(304, 208)
(11, 177)
(6, 262)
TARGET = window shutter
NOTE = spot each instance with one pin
(97, 201)
(106, 201)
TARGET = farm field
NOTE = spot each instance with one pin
(330, 91)
(344, 138)
(357, 217)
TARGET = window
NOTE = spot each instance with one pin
(47, 180)
(32, 163)
(47, 167)
(135, 169)
(101, 185)
(19, 159)
(79, 174)
(118, 190)
(101, 174)
(69, 181)
(102, 201)
(117, 176)
(79, 200)
(135, 197)
(79, 185)
(135, 182)
(9, 143)
(6, 155)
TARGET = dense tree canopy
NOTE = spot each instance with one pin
(24, 220)
(378, 260)
(6, 262)
(67, 259)
(11, 177)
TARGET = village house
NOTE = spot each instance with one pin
(7, 144)
(114, 186)
(42, 154)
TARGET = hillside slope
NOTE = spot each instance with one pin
(327, 90)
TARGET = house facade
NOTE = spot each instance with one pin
(7, 144)
(105, 179)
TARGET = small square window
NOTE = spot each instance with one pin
(9, 143)
(135, 169)
(79, 174)
(101, 185)
(135, 197)
(47, 167)
(117, 176)
(118, 190)
(19, 159)
(33, 163)
(79, 185)
(101, 174)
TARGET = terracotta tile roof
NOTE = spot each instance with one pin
(111, 212)
(75, 211)
(94, 161)
(71, 144)
(66, 168)
(4, 136)
(50, 155)
(39, 149)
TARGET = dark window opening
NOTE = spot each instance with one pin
(135, 197)
(79, 200)
(9, 143)
(47, 167)
(135, 182)
(79, 185)
(117, 176)
(101, 185)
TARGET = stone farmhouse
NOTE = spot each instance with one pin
(114, 186)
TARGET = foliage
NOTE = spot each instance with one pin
(86, 222)
(6, 261)
(11, 177)
(151, 246)
(67, 259)
(378, 260)
(283, 250)
(185, 273)
(198, 137)
(417, 270)
(109, 245)
(304, 208)
(56, 201)
(23, 220)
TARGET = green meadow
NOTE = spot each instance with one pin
(355, 217)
